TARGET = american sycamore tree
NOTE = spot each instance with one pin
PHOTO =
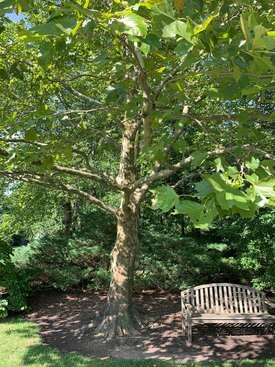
(125, 95)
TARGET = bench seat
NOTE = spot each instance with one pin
(215, 318)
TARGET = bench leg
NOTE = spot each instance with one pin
(183, 324)
(189, 334)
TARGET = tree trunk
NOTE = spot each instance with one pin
(67, 218)
(120, 317)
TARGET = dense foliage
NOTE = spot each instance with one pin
(105, 101)
(13, 281)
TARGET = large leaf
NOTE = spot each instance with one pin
(165, 198)
(134, 25)
(266, 188)
(178, 28)
(201, 214)
(57, 26)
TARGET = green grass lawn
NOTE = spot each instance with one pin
(21, 346)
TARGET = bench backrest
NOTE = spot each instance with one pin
(224, 298)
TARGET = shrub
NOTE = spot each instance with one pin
(252, 243)
(13, 280)
(64, 262)
(171, 262)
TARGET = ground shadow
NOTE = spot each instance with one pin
(62, 315)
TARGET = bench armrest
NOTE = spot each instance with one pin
(187, 310)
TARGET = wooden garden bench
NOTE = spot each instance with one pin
(222, 303)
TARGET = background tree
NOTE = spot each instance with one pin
(156, 87)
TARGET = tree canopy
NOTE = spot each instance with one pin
(126, 96)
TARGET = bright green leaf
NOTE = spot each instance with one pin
(165, 198)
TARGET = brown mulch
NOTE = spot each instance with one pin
(61, 315)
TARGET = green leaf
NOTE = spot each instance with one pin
(204, 188)
(145, 48)
(31, 135)
(253, 164)
(178, 28)
(21, 5)
(199, 158)
(266, 188)
(48, 161)
(165, 198)
(5, 7)
(217, 246)
(201, 214)
(116, 94)
(180, 145)
(202, 27)
(187, 206)
(4, 74)
(134, 25)
(182, 49)
(56, 27)
(152, 40)
(219, 165)
(237, 73)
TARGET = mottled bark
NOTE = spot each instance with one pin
(120, 317)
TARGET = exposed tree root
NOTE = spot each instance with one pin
(112, 326)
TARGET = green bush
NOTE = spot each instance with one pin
(3, 308)
(167, 261)
(13, 280)
(237, 251)
(252, 243)
(64, 262)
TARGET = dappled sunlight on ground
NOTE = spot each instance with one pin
(62, 315)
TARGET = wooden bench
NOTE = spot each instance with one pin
(222, 303)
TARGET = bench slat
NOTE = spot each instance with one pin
(201, 303)
(240, 299)
(225, 289)
(231, 306)
(207, 297)
(216, 299)
(245, 301)
(220, 300)
(211, 300)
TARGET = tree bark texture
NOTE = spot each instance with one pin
(120, 317)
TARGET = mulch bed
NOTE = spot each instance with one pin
(61, 316)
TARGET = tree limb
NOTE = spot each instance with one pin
(226, 117)
(92, 173)
(19, 140)
(144, 183)
(56, 185)
(166, 80)
(82, 96)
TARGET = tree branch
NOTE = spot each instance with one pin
(226, 117)
(166, 80)
(92, 173)
(56, 185)
(79, 95)
(19, 140)
(144, 183)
